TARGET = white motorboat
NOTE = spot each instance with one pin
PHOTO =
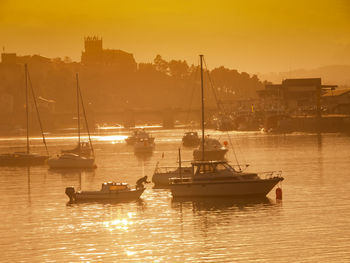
(213, 150)
(218, 178)
(139, 134)
(162, 175)
(71, 161)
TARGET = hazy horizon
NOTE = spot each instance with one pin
(256, 37)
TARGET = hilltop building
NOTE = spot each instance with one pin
(94, 54)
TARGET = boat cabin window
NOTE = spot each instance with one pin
(205, 168)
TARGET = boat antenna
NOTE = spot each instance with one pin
(78, 113)
(202, 99)
(27, 110)
(180, 164)
(37, 112)
(86, 122)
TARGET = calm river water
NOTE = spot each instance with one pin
(310, 224)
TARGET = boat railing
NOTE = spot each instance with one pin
(271, 174)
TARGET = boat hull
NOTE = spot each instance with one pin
(71, 164)
(22, 160)
(252, 188)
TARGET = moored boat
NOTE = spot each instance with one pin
(162, 175)
(82, 156)
(110, 191)
(27, 158)
(71, 161)
(22, 159)
(190, 139)
(144, 146)
(138, 135)
(217, 178)
(213, 150)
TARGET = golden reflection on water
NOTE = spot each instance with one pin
(119, 223)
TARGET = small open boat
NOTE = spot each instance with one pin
(110, 191)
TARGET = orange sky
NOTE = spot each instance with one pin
(251, 35)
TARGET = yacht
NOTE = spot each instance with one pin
(217, 178)
(26, 158)
(162, 175)
(82, 156)
(71, 161)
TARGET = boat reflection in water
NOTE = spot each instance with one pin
(220, 203)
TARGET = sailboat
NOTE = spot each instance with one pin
(217, 178)
(26, 158)
(83, 155)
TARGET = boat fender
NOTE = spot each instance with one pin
(70, 191)
(279, 193)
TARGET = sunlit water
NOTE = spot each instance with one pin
(310, 224)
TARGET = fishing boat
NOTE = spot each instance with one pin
(219, 179)
(110, 191)
(190, 139)
(83, 155)
(26, 158)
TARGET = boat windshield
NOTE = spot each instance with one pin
(212, 168)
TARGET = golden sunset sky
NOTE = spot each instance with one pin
(251, 35)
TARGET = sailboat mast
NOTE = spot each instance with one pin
(27, 105)
(78, 112)
(86, 122)
(202, 99)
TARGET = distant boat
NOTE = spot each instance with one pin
(137, 135)
(82, 156)
(218, 178)
(213, 150)
(190, 139)
(110, 191)
(26, 158)
(144, 145)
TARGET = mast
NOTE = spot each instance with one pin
(27, 110)
(180, 164)
(37, 112)
(86, 122)
(78, 112)
(202, 99)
